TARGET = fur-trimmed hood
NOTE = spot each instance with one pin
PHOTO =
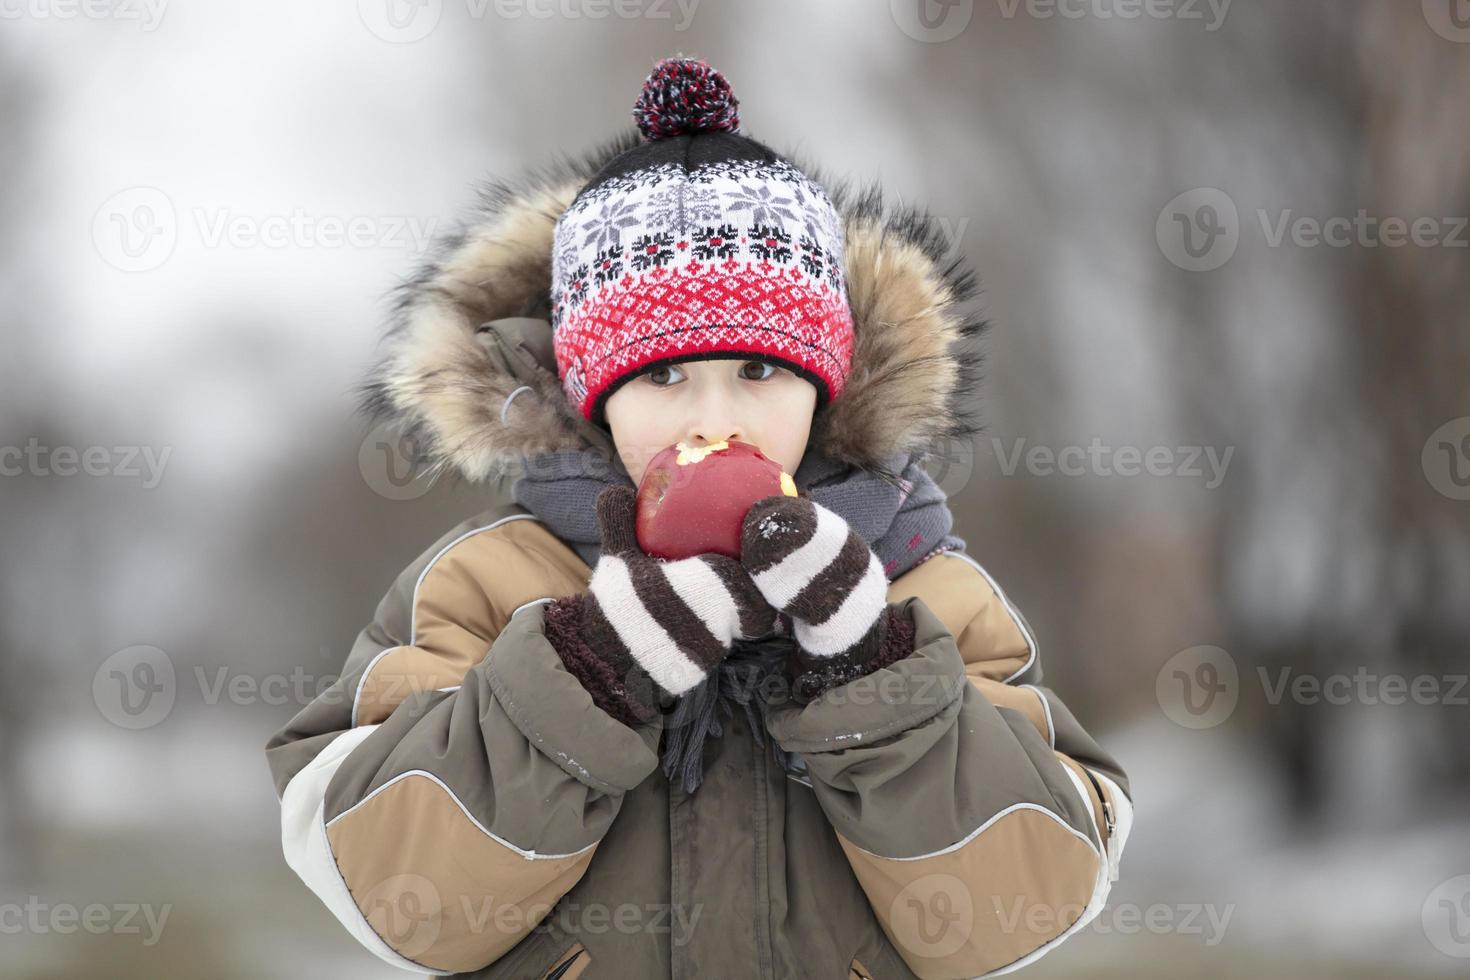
(467, 371)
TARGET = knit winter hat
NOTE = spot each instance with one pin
(697, 243)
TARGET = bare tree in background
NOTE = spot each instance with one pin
(1338, 553)
(18, 829)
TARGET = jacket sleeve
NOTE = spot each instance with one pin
(983, 823)
(455, 781)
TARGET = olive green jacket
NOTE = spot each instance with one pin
(462, 807)
(460, 804)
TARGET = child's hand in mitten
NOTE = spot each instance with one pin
(646, 626)
(810, 564)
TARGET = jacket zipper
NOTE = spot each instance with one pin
(1109, 820)
(1110, 823)
(559, 971)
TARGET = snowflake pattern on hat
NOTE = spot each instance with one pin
(678, 207)
(664, 262)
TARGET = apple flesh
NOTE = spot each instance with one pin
(693, 500)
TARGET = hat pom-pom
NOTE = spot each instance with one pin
(681, 97)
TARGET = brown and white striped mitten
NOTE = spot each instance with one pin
(647, 627)
(810, 564)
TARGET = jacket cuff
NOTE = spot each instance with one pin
(623, 689)
(556, 714)
(890, 639)
(890, 700)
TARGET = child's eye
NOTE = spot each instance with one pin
(760, 366)
(660, 375)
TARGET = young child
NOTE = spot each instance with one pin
(481, 792)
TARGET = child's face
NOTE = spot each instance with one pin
(702, 402)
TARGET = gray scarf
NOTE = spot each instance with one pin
(903, 521)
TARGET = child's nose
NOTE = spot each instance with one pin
(714, 416)
(712, 434)
(716, 425)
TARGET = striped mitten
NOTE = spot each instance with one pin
(810, 564)
(647, 629)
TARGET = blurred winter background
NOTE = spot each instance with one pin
(1226, 470)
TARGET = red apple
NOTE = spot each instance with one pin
(693, 500)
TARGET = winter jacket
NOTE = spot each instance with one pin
(462, 807)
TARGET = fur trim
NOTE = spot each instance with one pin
(445, 382)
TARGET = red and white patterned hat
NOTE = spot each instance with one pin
(697, 243)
